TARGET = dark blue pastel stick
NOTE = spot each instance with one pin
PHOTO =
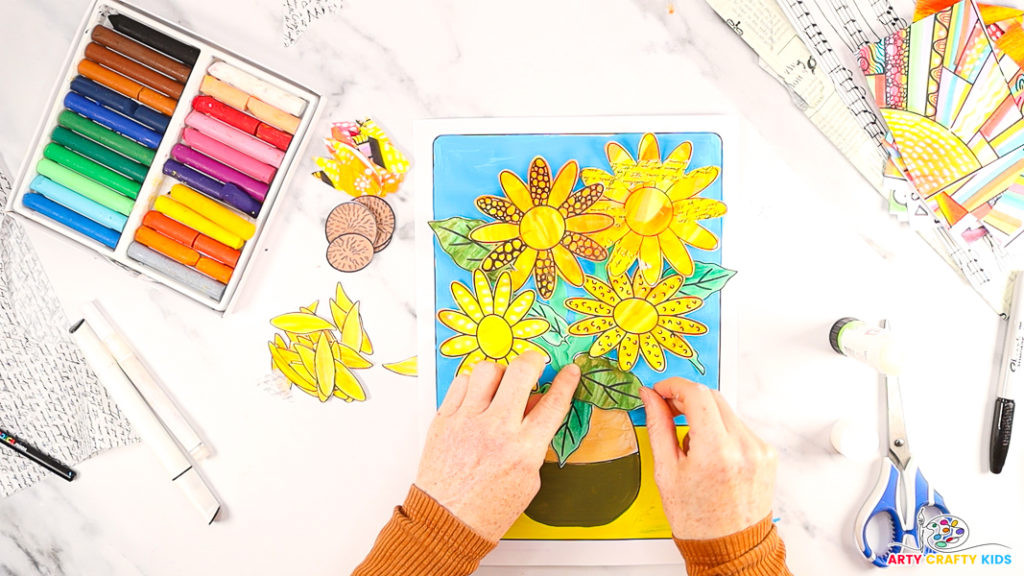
(113, 120)
(226, 193)
(73, 220)
(152, 118)
(104, 95)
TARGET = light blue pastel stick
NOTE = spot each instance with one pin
(75, 202)
(176, 271)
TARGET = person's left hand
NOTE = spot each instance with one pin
(485, 448)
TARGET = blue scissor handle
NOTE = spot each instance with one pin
(924, 497)
(882, 500)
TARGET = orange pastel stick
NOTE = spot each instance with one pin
(157, 101)
(164, 245)
(109, 78)
(133, 70)
(220, 252)
(171, 228)
(214, 269)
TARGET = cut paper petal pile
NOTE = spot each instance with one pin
(363, 161)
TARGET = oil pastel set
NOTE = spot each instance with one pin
(164, 152)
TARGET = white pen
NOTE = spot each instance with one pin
(145, 422)
(1012, 370)
(144, 382)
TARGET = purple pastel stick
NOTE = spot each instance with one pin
(219, 171)
(226, 193)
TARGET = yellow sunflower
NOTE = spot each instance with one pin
(655, 208)
(542, 226)
(637, 318)
(490, 326)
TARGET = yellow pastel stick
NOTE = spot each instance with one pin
(189, 217)
(214, 211)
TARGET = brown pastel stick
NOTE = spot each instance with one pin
(140, 53)
(351, 218)
(134, 70)
(385, 218)
(350, 252)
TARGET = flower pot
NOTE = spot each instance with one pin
(598, 482)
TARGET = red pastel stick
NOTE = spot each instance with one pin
(273, 136)
(226, 114)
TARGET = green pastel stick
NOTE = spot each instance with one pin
(91, 190)
(92, 170)
(108, 138)
(100, 154)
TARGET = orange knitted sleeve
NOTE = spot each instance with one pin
(753, 551)
(424, 538)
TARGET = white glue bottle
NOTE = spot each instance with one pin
(872, 345)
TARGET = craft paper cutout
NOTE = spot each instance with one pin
(357, 230)
(535, 272)
(407, 367)
(318, 355)
(363, 161)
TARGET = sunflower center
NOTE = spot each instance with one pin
(648, 211)
(635, 315)
(494, 336)
(542, 227)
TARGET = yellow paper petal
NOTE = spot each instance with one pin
(649, 151)
(346, 381)
(519, 307)
(457, 321)
(349, 357)
(598, 289)
(624, 254)
(640, 287)
(617, 154)
(521, 346)
(522, 268)
(665, 289)
(352, 331)
(495, 232)
(693, 209)
(588, 223)
(682, 325)
(469, 361)
(679, 157)
(483, 292)
(650, 259)
(307, 358)
(651, 350)
(591, 326)
(502, 293)
(675, 252)
(544, 275)
(565, 181)
(673, 342)
(622, 286)
(695, 235)
(515, 190)
(282, 365)
(539, 181)
(300, 323)
(466, 301)
(324, 368)
(568, 265)
(342, 299)
(407, 367)
(605, 342)
(629, 350)
(304, 380)
(679, 305)
(458, 346)
(530, 328)
(588, 306)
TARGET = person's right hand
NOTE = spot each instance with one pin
(722, 478)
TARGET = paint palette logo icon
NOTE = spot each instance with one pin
(944, 533)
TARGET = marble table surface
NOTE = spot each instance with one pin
(306, 486)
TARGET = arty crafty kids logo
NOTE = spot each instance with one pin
(944, 541)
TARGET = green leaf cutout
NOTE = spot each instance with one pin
(453, 236)
(606, 386)
(696, 363)
(572, 431)
(559, 328)
(706, 279)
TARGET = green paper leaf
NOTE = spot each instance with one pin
(574, 428)
(706, 279)
(559, 328)
(605, 385)
(696, 363)
(453, 236)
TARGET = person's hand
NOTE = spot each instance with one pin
(721, 479)
(484, 449)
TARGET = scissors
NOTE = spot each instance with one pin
(901, 492)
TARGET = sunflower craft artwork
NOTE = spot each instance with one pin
(576, 247)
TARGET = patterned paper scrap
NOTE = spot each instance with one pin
(941, 92)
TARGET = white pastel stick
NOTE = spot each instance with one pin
(261, 89)
(143, 380)
(145, 422)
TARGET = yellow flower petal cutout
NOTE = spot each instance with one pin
(471, 359)
(346, 382)
(636, 319)
(515, 190)
(588, 223)
(675, 252)
(625, 253)
(564, 183)
(407, 367)
(466, 301)
(679, 157)
(459, 345)
(519, 307)
(348, 357)
(568, 265)
(540, 181)
(650, 259)
(649, 150)
(521, 346)
(502, 293)
(522, 268)
(457, 321)
(483, 292)
(695, 235)
(495, 232)
(324, 363)
(530, 327)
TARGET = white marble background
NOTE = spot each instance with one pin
(306, 487)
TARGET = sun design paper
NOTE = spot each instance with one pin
(943, 96)
(527, 228)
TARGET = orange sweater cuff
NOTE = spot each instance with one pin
(754, 551)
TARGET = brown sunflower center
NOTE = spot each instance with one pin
(542, 227)
(635, 315)
(494, 336)
(648, 211)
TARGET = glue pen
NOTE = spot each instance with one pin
(872, 345)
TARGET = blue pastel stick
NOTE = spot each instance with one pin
(176, 271)
(73, 220)
(226, 193)
(72, 200)
(104, 95)
(152, 118)
(113, 120)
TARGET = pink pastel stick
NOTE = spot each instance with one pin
(228, 155)
(244, 143)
